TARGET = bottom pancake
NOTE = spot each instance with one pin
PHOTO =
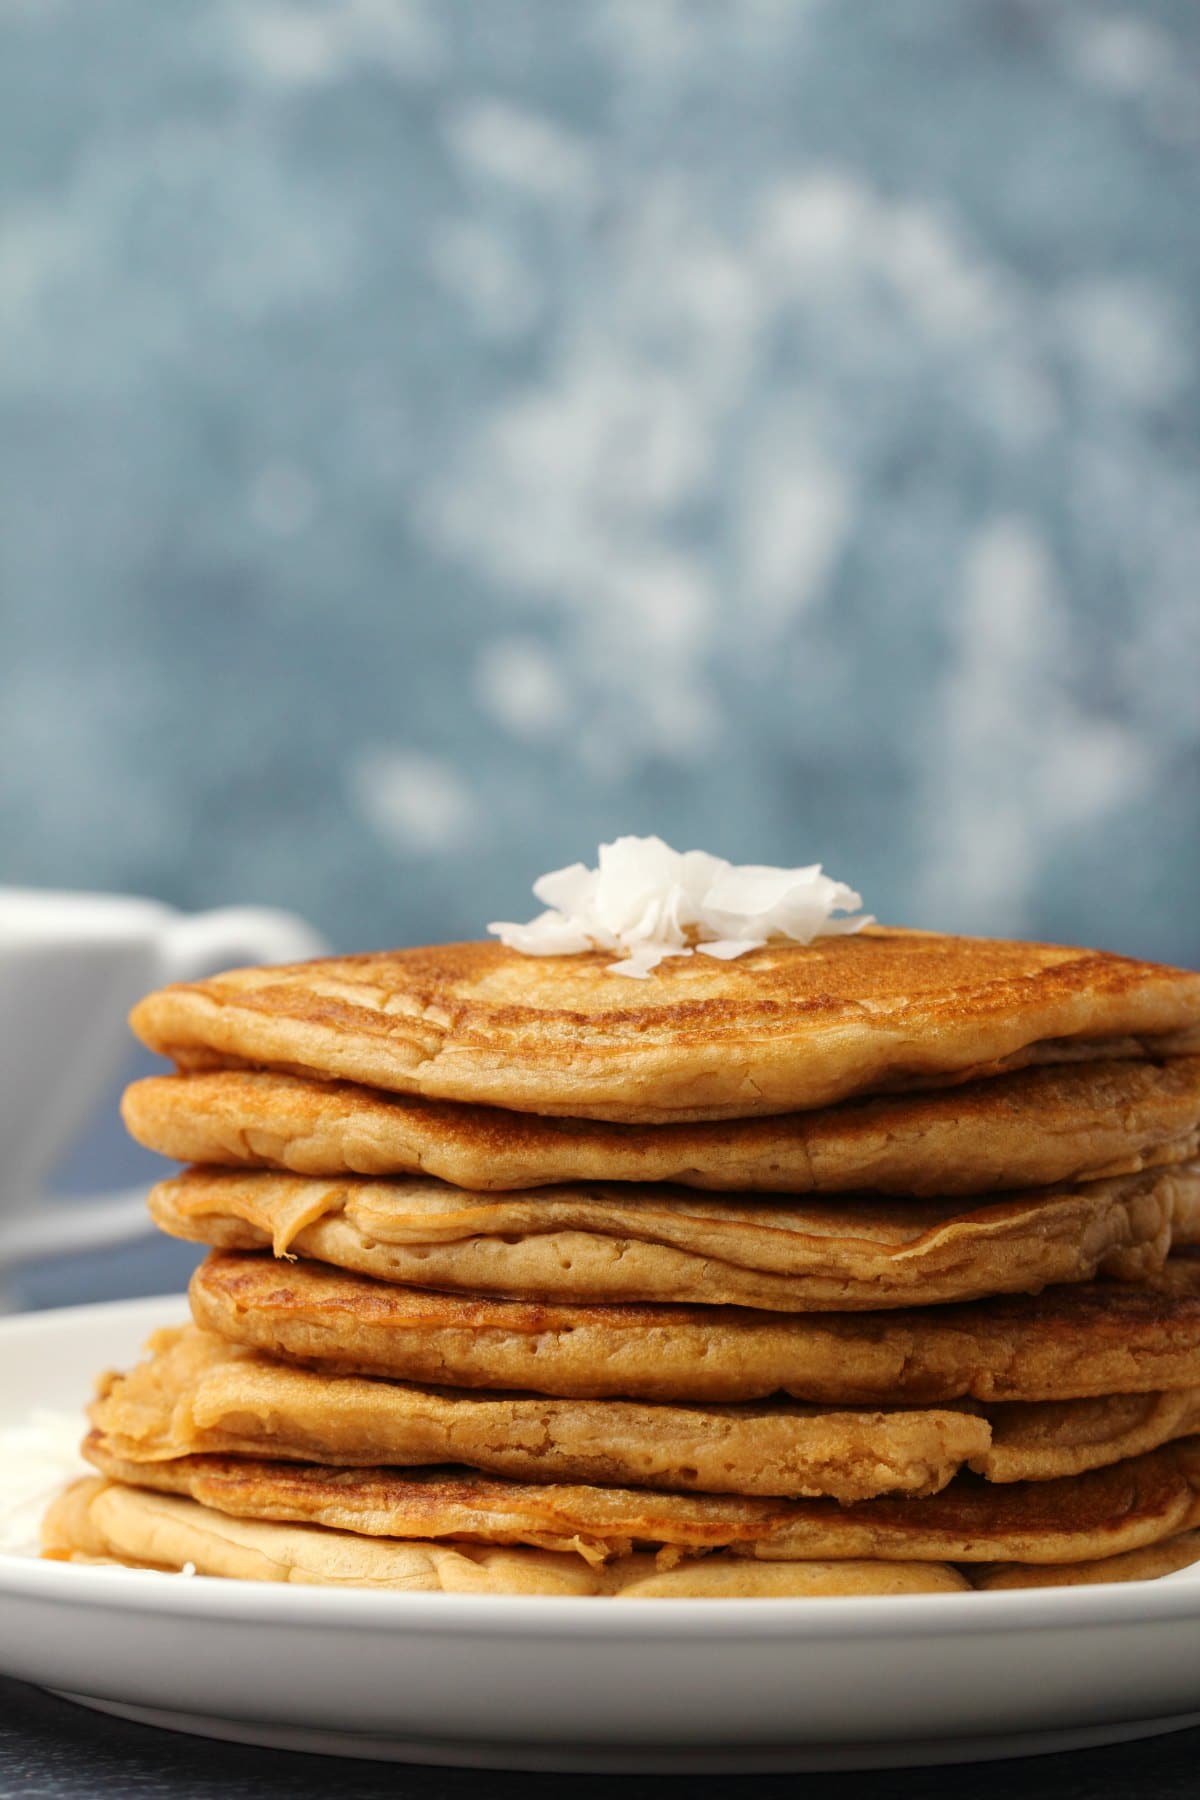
(1105, 1513)
(1148, 1564)
(98, 1521)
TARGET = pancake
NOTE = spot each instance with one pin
(717, 1577)
(1040, 1441)
(1034, 1128)
(785, 1028)
(1106, 1512)
(126, 1525)
(1148, 1564)
(1067, 1343)
(196, 1393)
(659, 1243)
(101, 1521)
(722, 1578)
(109, 1522)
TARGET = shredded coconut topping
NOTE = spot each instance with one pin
(648, 902)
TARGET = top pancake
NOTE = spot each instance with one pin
(788, 1027)
(1034, 1128)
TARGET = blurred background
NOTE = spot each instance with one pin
(439, 436)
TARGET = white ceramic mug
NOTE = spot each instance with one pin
(71, 966)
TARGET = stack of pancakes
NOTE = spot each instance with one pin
(862, 1266)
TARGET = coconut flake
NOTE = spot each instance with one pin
(647, 902)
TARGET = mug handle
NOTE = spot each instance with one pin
(200, 943)
(191, 946)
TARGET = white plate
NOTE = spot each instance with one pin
(578, 1684)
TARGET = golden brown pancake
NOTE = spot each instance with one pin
(101, 1521)
(785, 1028)
(601, 1523)
(1148, 1564)
(596, 1523)
(98, 1521)
(1067, 1343)
(1106, 1512)
(1042, 1441)
(68, 1531)
(196, 1393)
(106, 1521)
(723, 1578)
(623, 1243)
(1034, 1128)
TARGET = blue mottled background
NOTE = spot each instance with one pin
(437, 436)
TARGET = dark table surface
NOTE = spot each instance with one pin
(50, 1749)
